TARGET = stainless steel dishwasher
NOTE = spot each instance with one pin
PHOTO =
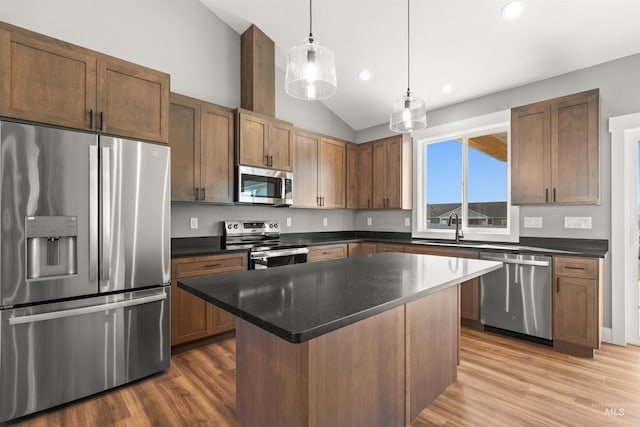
(517, 297)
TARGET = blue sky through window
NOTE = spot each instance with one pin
(487, 176)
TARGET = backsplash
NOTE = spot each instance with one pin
(210, 218)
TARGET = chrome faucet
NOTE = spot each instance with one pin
(459, 234)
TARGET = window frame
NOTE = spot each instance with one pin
(490, 123)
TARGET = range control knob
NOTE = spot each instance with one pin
(235, 226)
(229, 226)
(275, 225)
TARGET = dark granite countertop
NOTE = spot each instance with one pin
(302, 301)
(528, 245)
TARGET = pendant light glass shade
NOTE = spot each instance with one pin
(408, 114)
(311, 72)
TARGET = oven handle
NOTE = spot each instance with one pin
(277, 253)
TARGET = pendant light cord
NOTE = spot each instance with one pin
(408, 50)
(310, 23)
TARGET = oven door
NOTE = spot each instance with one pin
(265, 186)
(277, 257)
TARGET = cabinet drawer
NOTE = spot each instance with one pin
(441, 251)
(206, 265)
(323, 253)
(389, 247)
(576, 267)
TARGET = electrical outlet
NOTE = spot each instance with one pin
(583, 222)
(288, 222)
(369, 221)
(193, 223)
(407, 222)
(325, 222)
(532, 222)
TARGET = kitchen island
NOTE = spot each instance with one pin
(368, 340)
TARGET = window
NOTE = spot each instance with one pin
(463, 169)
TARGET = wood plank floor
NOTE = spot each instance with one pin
(501, 382)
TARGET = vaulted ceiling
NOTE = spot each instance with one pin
(465, 44)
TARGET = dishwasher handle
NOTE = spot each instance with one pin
(518, 261)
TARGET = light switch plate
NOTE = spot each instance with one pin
(193, 223)
(325, 222)
(532, 222)
(288, 222)
(369, 221)
(407, 222)
(582, 222)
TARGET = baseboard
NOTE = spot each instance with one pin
(606, 335)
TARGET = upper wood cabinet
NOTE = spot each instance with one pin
(320, 171)
(555, 151)
(201, 140)
(263, 141)
(385, 180)
(332, 173)
(53, 82)
(352, 175)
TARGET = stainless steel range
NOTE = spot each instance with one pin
(262, 238)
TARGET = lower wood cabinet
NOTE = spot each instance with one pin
(389, 247)
(327, 252)
(191, 317)
(577, 304)
(355, 249)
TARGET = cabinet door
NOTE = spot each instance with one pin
(530, 154)
(184, 139)
(352, 176)
(378, 186)
(216, 160)
(365, 176)
(575, 154)
(223, 321)
(470, 299)
(575, 311)
(253, 132)
(281, 150)
(393, 172)
(43, 81)
(305, 183)
(332, 173)
(191, 317)
(354, 249)
(133, 101)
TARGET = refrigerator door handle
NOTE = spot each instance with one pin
(106, 215)
(93, 213)
(85, 310)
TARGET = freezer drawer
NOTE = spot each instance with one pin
(55, 353)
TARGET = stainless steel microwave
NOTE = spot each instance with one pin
(264, 186)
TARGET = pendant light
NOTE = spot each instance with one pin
(311, 69)
(409, 113)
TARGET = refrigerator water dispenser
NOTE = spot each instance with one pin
(51, 246)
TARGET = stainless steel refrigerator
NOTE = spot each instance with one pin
(84, 264)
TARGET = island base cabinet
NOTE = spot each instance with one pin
(380, 371)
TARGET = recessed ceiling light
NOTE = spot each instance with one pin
(512, 10)
(446, 89)
(364, 75)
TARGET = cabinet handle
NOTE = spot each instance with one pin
(546, 195)
(204, 193)
(101, 119)
(197, 193)
(574, 268)
(554, 195)
(317, 201)
(368, 203)
(271, 161)
(266, 160)
(90, 119)
(322, 201)
(212, 265)
(326, 253)
(557, 284)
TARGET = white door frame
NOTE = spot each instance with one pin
(625, 134)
